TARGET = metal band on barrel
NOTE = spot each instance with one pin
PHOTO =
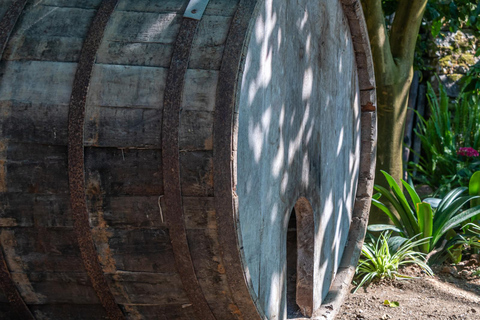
(76, 166)
(223, 148)
(171, 168)
(6, 283)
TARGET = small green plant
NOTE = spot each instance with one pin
(444, 139)
(382, 257)
(415, 217)
(476, 273)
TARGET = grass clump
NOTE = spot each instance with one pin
(382, 257)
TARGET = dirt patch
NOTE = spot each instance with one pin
(453, 293)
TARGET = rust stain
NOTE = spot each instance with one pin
(132, 312)
(235, 311)
(221, 268)
(3, 176)
(209, 143)
(101, 236)
(369, 107)
(209, 176)
(95, 117)
(8, 222)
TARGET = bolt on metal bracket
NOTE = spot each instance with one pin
(195, 9)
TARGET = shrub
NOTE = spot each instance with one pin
(450, 144)
(412, 218)
(382, 257)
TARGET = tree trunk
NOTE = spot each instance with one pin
(392, 52)
(391, 100)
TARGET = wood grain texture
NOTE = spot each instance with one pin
(298, 135)
(275, 100)
(8, 20)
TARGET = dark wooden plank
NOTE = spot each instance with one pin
(215, 7)
(55, 288)
(141, 250)
(196, 131)
(40, 249)
(196, 173)
(152, 6)
(147, 288)
(124, 172)
(28, 210)
(210, 271)
(165, 312)
(34, 123)
(43, 170)
(127, 86)
(70, 311)
(55, 38)
(7, 312)
(123, 127)
(37, 82)
(147, 39)
(43, 249)
(129, 212)
(53, 210)
(105, 126)
(199, 212)
(4, 5)
(86, 4)
(35, 168)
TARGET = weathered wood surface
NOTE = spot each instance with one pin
(298, 135)
(296, 88)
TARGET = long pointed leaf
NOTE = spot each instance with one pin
(474, 188)
(403, 201)
(389, 213)
(456, 220)
(450, 197)
(403, 217)
(383, 227)
(442, 216)
(425, 215)
(413, 194)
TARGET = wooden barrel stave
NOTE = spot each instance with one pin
(123, 159)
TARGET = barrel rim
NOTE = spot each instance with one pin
(358, 32)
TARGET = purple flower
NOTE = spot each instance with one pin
(467, 152)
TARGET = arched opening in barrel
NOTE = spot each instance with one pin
(300, 250)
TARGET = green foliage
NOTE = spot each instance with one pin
(472, 79)
(454, 14)
(474, 189)
(414, 217)
(454, 249)
(442, 137)
(441, 15)
(382, 257)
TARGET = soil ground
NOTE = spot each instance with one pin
(453, 293)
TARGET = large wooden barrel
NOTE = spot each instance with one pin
(159, 161)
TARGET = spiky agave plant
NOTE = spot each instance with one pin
(382, 257)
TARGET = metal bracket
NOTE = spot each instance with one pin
(195, 9)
